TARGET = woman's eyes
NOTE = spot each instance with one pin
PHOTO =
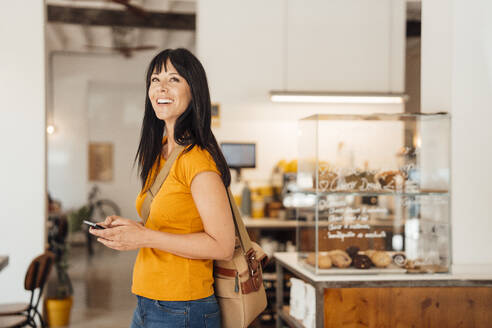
(173, 79)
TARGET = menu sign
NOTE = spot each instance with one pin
(345, 221)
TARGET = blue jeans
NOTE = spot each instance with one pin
(199, 313)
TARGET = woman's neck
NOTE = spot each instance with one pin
(170, 142)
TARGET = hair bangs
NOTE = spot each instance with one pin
(160, 61)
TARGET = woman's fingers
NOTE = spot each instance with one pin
(96, 232)
(104, 233)
(115, 221)
(123, 234)
(110, 243)
(118, 221)
(109, 220)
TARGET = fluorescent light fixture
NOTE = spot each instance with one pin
(337, 98)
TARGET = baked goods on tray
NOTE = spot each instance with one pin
(381, 259)
(354, 257)
(400, 259)
(391, 180)
(340, 258)
(324, 260)
(362, 261)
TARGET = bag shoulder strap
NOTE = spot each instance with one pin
(159, 180)
(239, 224)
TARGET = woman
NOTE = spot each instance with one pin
(190, 222)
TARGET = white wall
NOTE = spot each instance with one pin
(345, 45)
(471, 152)
(436, 55)
(99, 99)
(457, 77)
(115, 112)
(243, 51)
(22, 138)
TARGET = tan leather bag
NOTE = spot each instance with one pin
(238, 283)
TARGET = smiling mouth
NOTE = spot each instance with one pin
(164, 101)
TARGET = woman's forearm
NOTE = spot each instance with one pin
(198, 245)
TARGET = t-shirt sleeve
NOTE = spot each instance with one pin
(194, 162)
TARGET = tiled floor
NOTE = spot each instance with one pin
(101, 283)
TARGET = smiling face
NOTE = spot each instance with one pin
(169, 93)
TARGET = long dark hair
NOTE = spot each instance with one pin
(192, 128)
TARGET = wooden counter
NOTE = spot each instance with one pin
(392, 300)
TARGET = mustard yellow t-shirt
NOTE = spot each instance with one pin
(161, 275)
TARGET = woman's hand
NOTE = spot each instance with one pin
(108, 222)
(120, 233)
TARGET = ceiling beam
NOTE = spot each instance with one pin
(413, 28)
(106, 17)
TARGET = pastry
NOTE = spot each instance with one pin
(352, 251)
(324, 261)
(369, 252)
(400, 259)
(360, 180)
(362, 261)
(328, 180)
(391, 180)
(412, 265)
(340, 259)
(380, 259)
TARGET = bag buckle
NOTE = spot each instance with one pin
(253, 265)
(252, 272)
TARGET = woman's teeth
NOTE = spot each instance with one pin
(164, 101)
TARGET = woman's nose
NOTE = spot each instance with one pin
(163, 86)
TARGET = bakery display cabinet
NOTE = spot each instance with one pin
(373, 193)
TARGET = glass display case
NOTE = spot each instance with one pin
(373, 193)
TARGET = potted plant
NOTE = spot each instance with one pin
(58, 303)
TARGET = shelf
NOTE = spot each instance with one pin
(474, 277)
(290, 320)
(441, 193)
(392, 269)
(271, 223)
(269, 276)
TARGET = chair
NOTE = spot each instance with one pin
(13, 321)
(36, 276)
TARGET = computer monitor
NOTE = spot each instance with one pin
(239, 155)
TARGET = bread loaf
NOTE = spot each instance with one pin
(381, 259)
(340, 259)
(324, 261)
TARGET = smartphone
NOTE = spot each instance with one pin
(93, 225)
